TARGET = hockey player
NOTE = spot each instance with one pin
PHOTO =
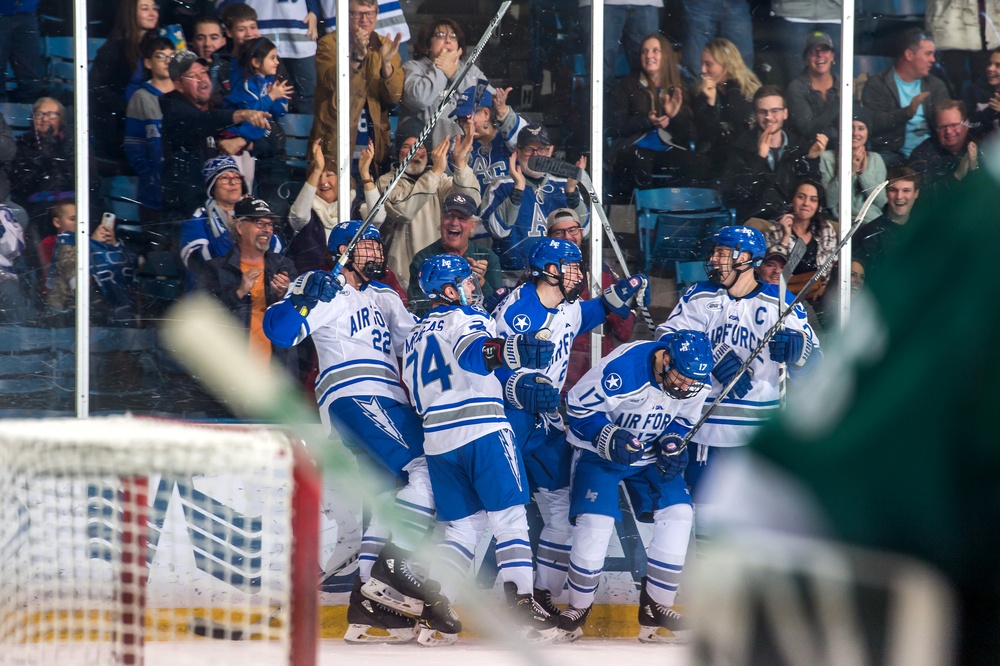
(359, 330)
(551, 301)
(627, 418)
(736, 310)
(476, 471)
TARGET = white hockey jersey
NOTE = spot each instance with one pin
(358, 336)
(623, 390)
(451, 389)
(740, 323)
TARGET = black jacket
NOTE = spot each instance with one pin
(717, 127)
(753, 189)
(809, 114)
(982, 119)
(222, 277)
(43, 163)
(629, 114)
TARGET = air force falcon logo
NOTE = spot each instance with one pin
(521, 323)
(613, 382)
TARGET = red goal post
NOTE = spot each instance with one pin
(121, 537)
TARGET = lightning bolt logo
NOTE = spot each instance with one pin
(381, 419)
(510, 452)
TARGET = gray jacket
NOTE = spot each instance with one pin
(881, 97)
(423, 84)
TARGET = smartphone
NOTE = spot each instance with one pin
(108, 220)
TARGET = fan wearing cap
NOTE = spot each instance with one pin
(516, 206)
(565, 223)
(867, 169)
(250, 277)
(458, 219)
(188, 126)
(814, 94)
(437, 59)
(414, 205)
(206, 234)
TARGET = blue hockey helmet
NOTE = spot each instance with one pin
(370, 258)
(561, 253)
(738, 239)
(690, 364)
(448, 269)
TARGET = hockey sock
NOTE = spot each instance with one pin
(666, 552)
(456, 551)
(590, 547)
(374, 538)
(552, 559)
(414, 506)
(510, 526)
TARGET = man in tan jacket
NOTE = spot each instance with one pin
(414, 206)
(376, 83)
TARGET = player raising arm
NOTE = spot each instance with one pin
(628, 417)
(359, 330)
(551, 302)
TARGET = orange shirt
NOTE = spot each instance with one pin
(258, 305)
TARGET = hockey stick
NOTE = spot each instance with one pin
(446, 96)
(566, 170)
(791, 263)
(858, 221)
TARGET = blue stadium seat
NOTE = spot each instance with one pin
(118, 194)
(297, 127)
(675, 225)
(18, 117)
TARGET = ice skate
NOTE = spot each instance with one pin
(439, 623)
(535, 623)
(571, 621)
(371, 622)
(659, 624)
(544, 599)
(394, 583)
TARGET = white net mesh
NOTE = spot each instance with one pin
(89, 507)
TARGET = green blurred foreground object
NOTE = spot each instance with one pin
(896, 439)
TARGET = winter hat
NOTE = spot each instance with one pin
(473, 98)
(215, 167)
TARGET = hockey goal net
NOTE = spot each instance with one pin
(122, 537)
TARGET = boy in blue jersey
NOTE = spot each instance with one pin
(736, 311)
(551, 302)
(475, 468)
(358, 330)
(628, 418)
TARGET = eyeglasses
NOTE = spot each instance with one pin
(455, 215)
(198, 77)
(770, 112)
(162, 57)
(365, 15)
(45, 115)
(953, 127)
(229, 178)
(562, 233)
(531, 151)
(446, 35)
(260, 224)
(822, 48)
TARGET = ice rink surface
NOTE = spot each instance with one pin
(475, 652)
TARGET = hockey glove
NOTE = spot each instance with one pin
(494, 300)
(727, 364)
(618, 445)
(790, 347)
(620, 298)
(533, 392)
(671, 456)
(521, 350)
(308, 289)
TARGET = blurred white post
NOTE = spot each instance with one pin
(596, 161)
(845, 174)
(81, 132)
(345, 142)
